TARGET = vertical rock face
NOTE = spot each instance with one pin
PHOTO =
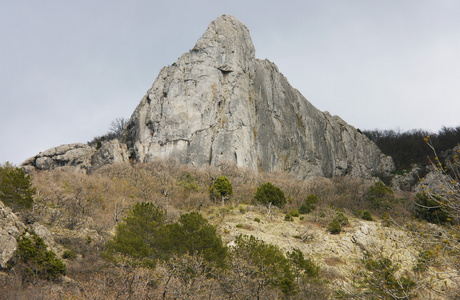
(199, 109)
(219, 103)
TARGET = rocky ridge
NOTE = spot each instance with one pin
(83, 157)
(218, 103)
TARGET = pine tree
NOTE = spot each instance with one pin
(221, 188)
(15, 187)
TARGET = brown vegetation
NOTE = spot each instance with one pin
(83, 210)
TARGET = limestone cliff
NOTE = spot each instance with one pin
(219, 103)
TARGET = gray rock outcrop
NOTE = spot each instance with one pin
(77, 155)
(110, 152)
(441, 182)
(219, 103)
(408, 180)
(10, 229)
(84, 157)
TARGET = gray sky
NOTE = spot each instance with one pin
(68, 68)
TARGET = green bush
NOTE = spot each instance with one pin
(264, 265)
(294, 212)
(334, 227)
(69, 254)
(268, 193)
(301, 265)
(257, 220)
(431, 210)
(222, 188)
(366, 215)
(288, 217)
(193, 235)
(15, 187)
(309, 204)
(41, 262)
(143, 237)
(137, 235)
(382, 280)
(342, 219)
(380, 196)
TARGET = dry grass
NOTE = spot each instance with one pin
(82, 211)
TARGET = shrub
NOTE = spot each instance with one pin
(268, 193)
(425, 259)
(309, 204)
(431, 210)
(366, 215)
(188, 183)
(192, 235)
(380, 196)
(41, 262)
(382, 280)
(288, 217)
(302, 265)
(334, 227)
(294, 212)
(342, 219)
(15, 187)
(137, 236)
(263, 265)
(69, 254)
(257, 220)
(144, 237)
(222, 188)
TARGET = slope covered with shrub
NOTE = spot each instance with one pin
(158, 230)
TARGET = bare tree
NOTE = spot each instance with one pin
(117, 126)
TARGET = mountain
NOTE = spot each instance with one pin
(219, 104)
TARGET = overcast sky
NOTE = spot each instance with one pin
(68, 68)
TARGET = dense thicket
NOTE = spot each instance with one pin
(409, 147)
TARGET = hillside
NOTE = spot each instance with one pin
(77, 214)
(227, 183)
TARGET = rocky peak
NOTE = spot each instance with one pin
(218, 103)
(226, 45)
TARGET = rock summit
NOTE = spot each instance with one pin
(218, 103)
